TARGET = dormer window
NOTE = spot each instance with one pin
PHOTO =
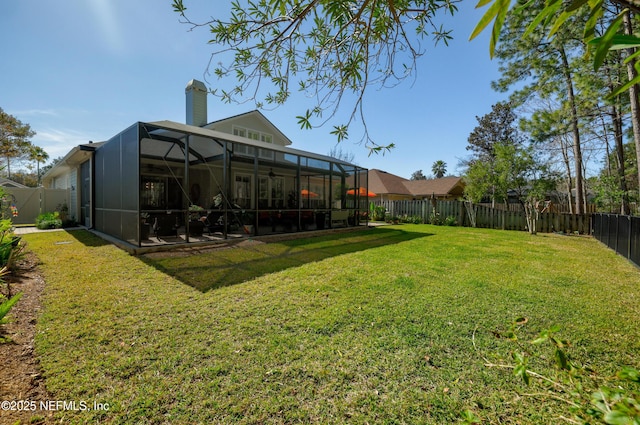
(253, 135)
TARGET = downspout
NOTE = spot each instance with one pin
(227, 189)
(187, 185)
(299, 197)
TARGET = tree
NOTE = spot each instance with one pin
(14, 138)
(555, 15)
(328, 49)
(549, 69)
(338, 153)
(495, 128)
(617, 35)
(439, 168)
(37, 154)
(498, 126)
(417, 175)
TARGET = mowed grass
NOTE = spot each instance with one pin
(385, 325)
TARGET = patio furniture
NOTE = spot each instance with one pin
(165, 225)
(339, 218)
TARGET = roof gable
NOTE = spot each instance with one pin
(382, 182)
(439, 187)
(252, 120)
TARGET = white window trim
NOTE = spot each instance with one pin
(259, 137)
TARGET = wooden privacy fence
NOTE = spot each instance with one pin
(487, 217)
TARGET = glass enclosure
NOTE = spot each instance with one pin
(166, 183)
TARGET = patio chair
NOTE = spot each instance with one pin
(165, 225)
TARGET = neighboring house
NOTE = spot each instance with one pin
(162, 182)
(4, 182)
(389, 187)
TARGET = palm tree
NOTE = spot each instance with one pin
(36, 153)
(439, 168)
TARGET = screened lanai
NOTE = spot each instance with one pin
(168, 183)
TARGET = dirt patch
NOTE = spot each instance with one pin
(21, 380)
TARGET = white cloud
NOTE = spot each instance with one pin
(35, 112)
(58, 142)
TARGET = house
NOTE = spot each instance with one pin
(390, 187)
(4, 182)
(166, 182)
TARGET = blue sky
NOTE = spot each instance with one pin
(83, 70)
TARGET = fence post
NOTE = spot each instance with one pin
(629, 239)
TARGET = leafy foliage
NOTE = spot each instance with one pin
(49, 220)
(579, 388)
(6, 306)
(418, 175)
(14, 138)
(439, 168)
(376, 213)
(556, 13)
(327, 49)
(496, 127)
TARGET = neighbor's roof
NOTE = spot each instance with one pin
(382, 182)
(4, 182)
(439, 187)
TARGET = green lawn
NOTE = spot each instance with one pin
(374, 326)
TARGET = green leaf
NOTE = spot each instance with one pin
(629, 374)
(497, 25)
(559, 22)
(616, 417)
(178, 6)
(521, 372)
(575, 5)
(561, 360)
(552, 7)
(606, 41)
(483, 3)
(6, 306)
(305, 121)
(341, 131)
(594, 16)
(495, 10)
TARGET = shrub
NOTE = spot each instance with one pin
(450, 221)
(412, 219)
(6, 301)
(49, 220)
(377, 212)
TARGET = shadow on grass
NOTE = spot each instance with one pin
(216, 268)
(87, 238)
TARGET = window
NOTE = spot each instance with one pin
(242, 190)
(253, 135)
(271, 192)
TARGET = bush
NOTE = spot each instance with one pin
(450, 221)
(412, 219)
(49, 221)
(377, 212)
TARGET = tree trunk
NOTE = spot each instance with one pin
(633, 93)
(567, 166)
(575, 131)
(618, 134)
